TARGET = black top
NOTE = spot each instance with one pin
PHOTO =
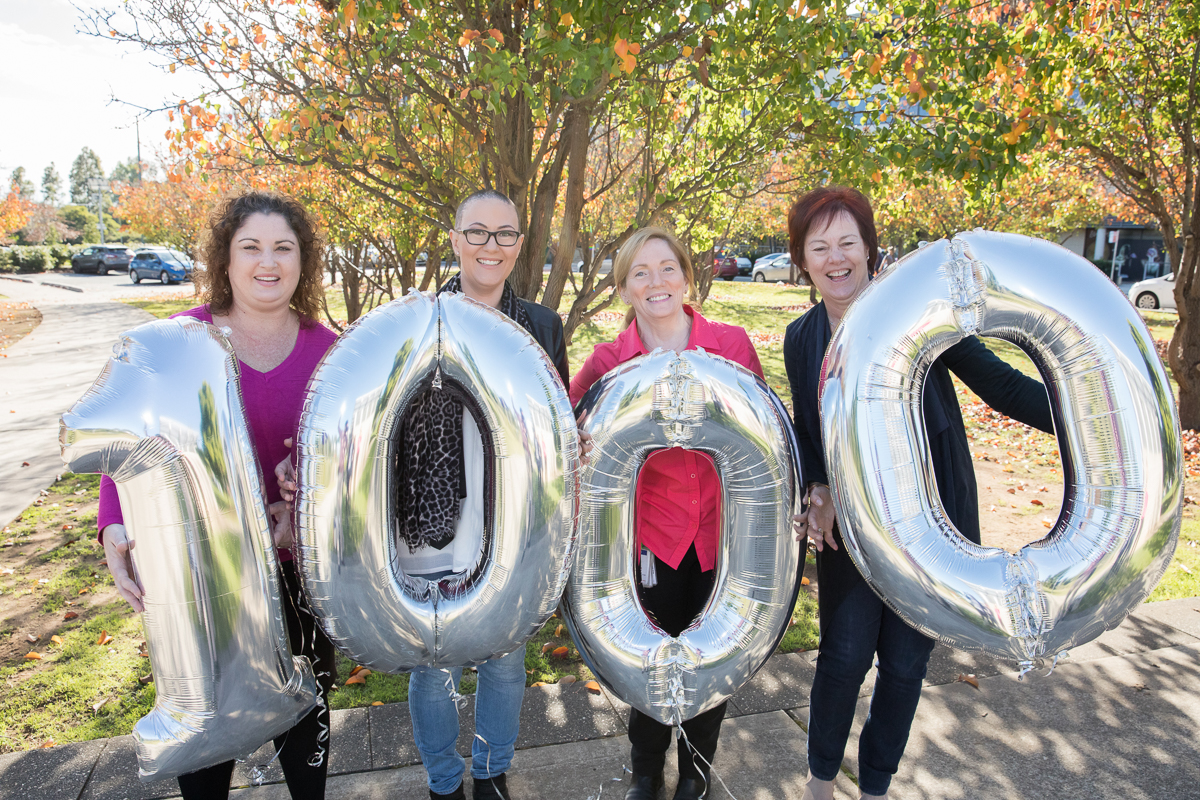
(1001, 386)
(546, 326)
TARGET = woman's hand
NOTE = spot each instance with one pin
(281, 524)
(800, 526)
(286, 476)
(585, 446)
(117, 548)
(820, 517)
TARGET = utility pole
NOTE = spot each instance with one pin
(138, 127)
(96, 187)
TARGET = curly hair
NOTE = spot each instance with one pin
(212, 283)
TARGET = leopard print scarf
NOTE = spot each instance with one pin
(432, 480)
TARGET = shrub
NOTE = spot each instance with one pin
(60, 254)
(6, 260)
(35, 258)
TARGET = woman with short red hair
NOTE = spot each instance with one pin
(833, 242)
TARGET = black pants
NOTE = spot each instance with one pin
(303, 781)
(674, 603)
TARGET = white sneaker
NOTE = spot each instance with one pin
(817, 789)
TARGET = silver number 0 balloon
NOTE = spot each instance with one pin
(347, 548)
(1116, 416)
(165, 421)
(706, 403)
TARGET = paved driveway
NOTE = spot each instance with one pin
(48, 370)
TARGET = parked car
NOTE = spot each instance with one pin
(774, 267)
(725, 266)
(605, 266)
(744, 265)
(1154, 293)
(100, 258)
(166, 265)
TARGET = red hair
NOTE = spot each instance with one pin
(816, 209)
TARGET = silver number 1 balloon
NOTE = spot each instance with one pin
(1115, 414)
(165, 421)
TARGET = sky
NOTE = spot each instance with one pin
(57, 87)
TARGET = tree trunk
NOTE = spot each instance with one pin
(1184, 351)
(577, 139)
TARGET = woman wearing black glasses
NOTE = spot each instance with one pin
(441, 516)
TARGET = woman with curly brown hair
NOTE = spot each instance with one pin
(262, 285)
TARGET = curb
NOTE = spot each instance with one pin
(43, 283)
(63, 286)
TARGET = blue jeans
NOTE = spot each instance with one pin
(498, 696)
(861, 627)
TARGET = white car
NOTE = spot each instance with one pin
(773, 267)
(1154, 293)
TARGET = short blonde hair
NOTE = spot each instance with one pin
(623, 263)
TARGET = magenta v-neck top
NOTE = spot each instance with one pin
(273, 402)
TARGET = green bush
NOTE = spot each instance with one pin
(6, 260)
(35, 258)
(60, 254)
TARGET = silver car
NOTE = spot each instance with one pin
(1154, 293)
(773, 267)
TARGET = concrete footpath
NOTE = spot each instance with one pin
(1120, 718)
(44, 374)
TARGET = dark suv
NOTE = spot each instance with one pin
(100, 258)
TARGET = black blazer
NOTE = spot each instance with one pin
(1001, 386)
(546, 326)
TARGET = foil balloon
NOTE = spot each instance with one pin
(165, 421)
(1117, 427)
(712, 405)
(347, 548)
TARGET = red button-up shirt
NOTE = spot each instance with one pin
(678, 496)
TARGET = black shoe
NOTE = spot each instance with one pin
(491, 788)
(645, 787)
(691, 789)
(457, 794)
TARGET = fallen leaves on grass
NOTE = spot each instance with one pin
(804, 581)
(33, 655)
(547, 647)
(358, 675)
(566, 680)
(377, 703)
(104, 638)
(558, 632)
(56, 639)
(560, 652)
(1037, 502)
(70, 615)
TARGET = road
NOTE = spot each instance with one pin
(43, 374)
(113, 286)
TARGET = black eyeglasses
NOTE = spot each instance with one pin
(480, 236)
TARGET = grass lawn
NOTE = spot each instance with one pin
(58, 586)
